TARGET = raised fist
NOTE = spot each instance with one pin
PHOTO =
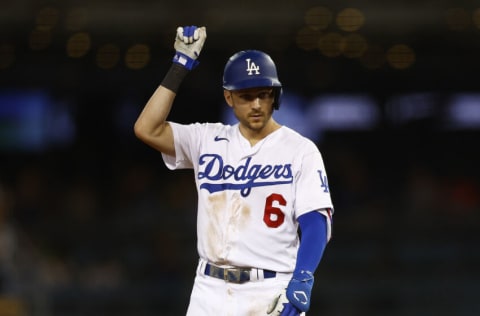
(189, 42)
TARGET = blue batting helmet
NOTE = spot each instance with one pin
(251, 69)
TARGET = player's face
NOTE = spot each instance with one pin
(252, 107)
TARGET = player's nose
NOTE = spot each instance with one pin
(256, 102)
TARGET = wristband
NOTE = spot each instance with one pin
(174, 77)
(185, 60)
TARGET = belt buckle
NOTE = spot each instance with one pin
(233, 275)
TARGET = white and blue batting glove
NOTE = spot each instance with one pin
(296, 298)
(280, 306)
(290, 310)
(299, 290)
(189, 42)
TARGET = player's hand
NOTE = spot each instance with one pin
(280, 306)
(299, 290)
(188, 44)
(290, 310)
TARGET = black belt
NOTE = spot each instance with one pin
(235, 275)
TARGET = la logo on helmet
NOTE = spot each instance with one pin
(251, 67)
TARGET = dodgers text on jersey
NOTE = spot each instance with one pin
(215, 174)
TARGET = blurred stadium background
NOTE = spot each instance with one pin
(92, 223)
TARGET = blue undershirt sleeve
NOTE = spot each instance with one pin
(313, 227)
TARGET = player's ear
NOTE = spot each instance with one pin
(228, 97)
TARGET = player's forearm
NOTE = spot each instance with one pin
(313, 226)
(152, 121)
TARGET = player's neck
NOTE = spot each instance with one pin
(254, 135)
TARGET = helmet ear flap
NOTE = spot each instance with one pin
(277, 98)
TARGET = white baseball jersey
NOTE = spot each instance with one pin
(250, 196)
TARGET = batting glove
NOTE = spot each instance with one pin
(299, 290)
(188, 45)
(290, 310)
(280, 306)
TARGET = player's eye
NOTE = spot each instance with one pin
(265, 94)
(247, 97)
(262, 95)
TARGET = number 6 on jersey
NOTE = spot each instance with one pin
(273, 216)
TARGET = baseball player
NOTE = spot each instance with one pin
(258, 184)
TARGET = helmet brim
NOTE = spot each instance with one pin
(253, 83)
